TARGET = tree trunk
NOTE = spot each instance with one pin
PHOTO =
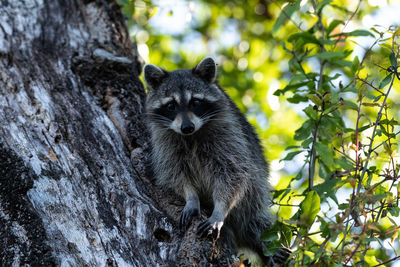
(74, 186)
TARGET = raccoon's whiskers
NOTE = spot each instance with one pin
(210, 115)
(160, 119)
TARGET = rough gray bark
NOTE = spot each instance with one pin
(74, 186)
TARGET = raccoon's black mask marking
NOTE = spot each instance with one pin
(168, 111)
(201, 108)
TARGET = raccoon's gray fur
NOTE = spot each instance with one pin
(205, 150)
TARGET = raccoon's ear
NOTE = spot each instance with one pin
(153, 75)
(206, 70)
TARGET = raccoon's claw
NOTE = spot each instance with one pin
(210, 227)
(187, 216)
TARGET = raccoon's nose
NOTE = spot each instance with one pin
(187, 128)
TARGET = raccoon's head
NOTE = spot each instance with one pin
(183, 100)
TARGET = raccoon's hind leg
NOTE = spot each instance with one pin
(253, 242)
(278, 259)
(192, 206)
(281, 256)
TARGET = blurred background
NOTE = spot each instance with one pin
(248, 39)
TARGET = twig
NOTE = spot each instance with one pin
(344, 154)
(347, 22)
(373, 135)
(383, 263)
(355, 176)
(370, 85)
(384, 142)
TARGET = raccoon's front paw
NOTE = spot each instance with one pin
(187, 216)
(210, 227)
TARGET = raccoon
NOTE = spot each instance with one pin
(205, 150)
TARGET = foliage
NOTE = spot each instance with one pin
(300, 63)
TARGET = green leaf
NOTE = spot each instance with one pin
(330, 109)
(315, 99)
(306, 143)
(324, 154)
(329, 55)
(376, 99)
(390, 122)
(394, 211)
(351, 105)
(277, 236)
(323, 172)
(360, 33)
(393, 60)
(304, 131)
(322, 4)
(363, 128)
(350, 89)
(299, 43)
(291, 155)
(296, 98)
(306, 36)
(310, 207)
(344, 163)
(286, 234)
(290, 87)
(286, 13)
(299, 175)
(333, 25)
(385, 81)
(270, 235)
(327, 189)
(371, 104)
(342, 63)
(311, 113)
(355, 64)
(355, 33)
(291, 147)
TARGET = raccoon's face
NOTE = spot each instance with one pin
(183, 100)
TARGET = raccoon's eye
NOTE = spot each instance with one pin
(171, 106)
(196, 102)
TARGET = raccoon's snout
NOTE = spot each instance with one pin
(186, 123)
(187, 127)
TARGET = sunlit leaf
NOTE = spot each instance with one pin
(355, 64)
(286, 13)
(355, 33)
(333, 25)
(324, 153)
(315, 99)
(322, 4)
(310, 207)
